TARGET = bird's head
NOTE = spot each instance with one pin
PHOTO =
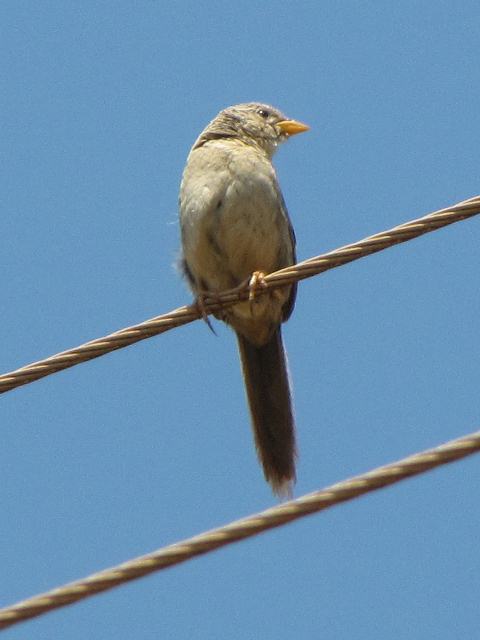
(252, 123)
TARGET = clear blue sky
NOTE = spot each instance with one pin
(101, 102)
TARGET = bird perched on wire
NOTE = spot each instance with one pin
(235, 227)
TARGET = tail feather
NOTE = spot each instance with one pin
(269, 397)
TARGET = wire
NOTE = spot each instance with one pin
(183, 315)
(240, 529)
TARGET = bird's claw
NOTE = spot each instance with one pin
(256, 282)
(199, 303)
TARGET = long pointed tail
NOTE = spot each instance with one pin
(268, 391)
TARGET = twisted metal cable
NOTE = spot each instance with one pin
(183, 315)
(240, 529)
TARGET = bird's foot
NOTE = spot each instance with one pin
(257, 281)
(199, 303)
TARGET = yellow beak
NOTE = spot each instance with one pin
(292, 127)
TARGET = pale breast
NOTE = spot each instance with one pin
(232, 217)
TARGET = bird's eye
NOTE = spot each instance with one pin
(264, 113)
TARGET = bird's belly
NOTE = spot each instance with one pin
(248, 235)
(245, 232)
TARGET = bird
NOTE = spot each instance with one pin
(235, 228)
